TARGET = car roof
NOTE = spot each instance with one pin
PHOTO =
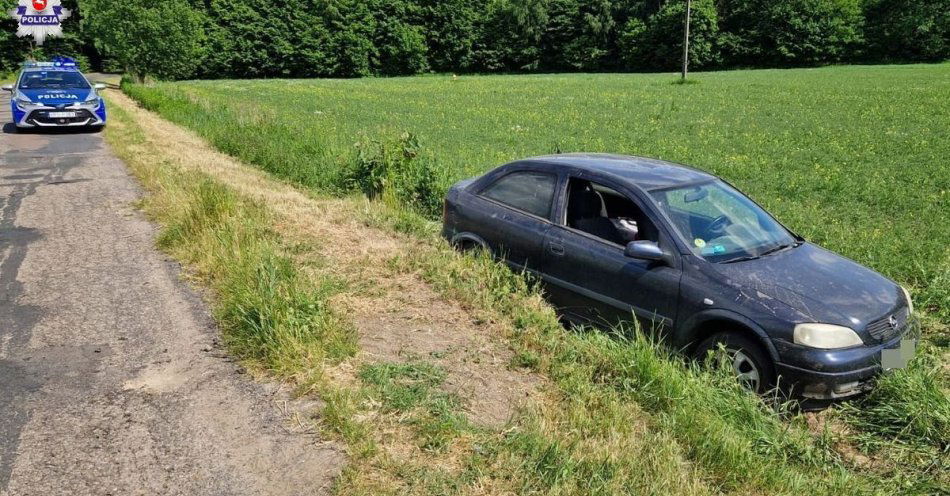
(646, 173)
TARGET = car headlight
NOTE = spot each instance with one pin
(22, 100)
(910, 304)
(826, 336)
(92, 98)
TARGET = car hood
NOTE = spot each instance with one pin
(821, 285)
(56, 97)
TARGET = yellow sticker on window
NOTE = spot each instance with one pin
(699, 243)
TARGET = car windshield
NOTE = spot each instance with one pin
(721, 224)
(48, 80)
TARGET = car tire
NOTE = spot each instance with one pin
(470, 246)
(754, 369)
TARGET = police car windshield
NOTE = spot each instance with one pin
(43, 80)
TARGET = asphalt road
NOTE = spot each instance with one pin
(111, 379)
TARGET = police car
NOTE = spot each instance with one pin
(55, 94)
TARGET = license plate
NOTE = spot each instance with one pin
(898, 358)
(62, 115)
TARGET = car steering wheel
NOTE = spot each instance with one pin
(716, 227)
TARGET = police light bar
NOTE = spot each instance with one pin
(58, 62)
(64, 61)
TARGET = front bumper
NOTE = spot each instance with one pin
(833, 374)
(39, 116)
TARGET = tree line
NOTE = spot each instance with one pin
(178, 39)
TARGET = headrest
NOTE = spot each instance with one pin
(586, 203)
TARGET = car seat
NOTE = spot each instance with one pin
(586, 212)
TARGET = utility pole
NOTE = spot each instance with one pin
(686, 41)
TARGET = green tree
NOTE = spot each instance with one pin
(347, 38)
(352, 25)
(792, 32)
(450, 32)
(399, 39)
(589, 50)
(158, 38)
(580, 35)
(907, 30)
(352, 38)
(509, 36)
(657, 43)
(247, 38)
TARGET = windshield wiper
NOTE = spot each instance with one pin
(778, 248)
(770, 251)
(742, 259)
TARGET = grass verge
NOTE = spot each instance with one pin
(266, 309)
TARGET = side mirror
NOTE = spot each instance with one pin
(100, 86)
(8, 87)
(644, 250)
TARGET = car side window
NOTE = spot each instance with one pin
(606, 213)
(531, 192)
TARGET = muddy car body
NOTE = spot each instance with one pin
(695, 261)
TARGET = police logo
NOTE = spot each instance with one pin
(40, 19)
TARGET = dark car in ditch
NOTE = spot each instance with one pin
(695, 261)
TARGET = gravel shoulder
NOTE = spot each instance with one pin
(111, 378)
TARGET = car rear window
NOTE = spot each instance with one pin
(531, 192)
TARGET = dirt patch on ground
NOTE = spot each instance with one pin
(822, 423)
(393, 329)
(398, 316)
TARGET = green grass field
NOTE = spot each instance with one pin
(851, 157)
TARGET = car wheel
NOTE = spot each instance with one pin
(470, 246)
(753, 368)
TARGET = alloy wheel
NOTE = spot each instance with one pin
(747, 372)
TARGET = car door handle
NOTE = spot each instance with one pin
(556, 249)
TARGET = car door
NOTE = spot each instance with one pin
(513, 215)
(589, 277)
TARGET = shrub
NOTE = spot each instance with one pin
(394, 169)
